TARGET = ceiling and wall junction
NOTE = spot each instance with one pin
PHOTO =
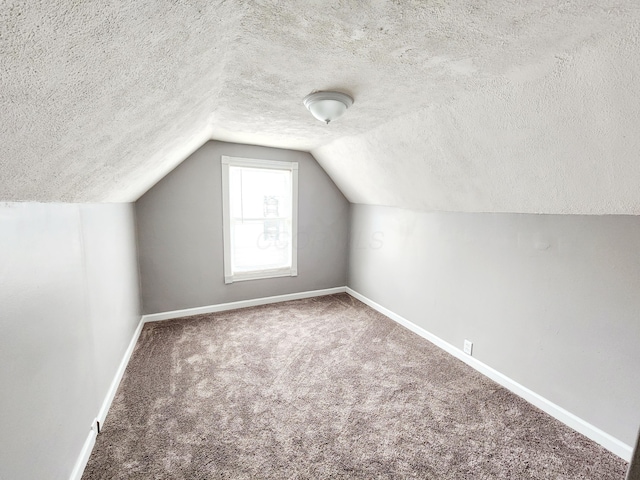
(492, 106)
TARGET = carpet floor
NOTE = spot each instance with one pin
(323, 388)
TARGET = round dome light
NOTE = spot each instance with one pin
(327, 106)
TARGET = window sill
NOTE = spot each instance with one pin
(261, 274)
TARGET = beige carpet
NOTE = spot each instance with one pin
(323, 388)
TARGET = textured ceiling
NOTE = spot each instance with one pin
(464, 106)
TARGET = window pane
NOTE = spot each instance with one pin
(261, 212)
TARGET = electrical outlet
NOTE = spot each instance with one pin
(468, 347)
(95, 426)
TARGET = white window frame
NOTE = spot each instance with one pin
(229, 276)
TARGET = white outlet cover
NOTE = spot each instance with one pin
(468, 347)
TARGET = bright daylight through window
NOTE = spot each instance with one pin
(260, 210)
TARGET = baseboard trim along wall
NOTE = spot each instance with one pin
(85, 453)
(609, 442)
(113, 388)
(187, 312)
(89, 443)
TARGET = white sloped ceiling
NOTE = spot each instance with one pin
(493, 106)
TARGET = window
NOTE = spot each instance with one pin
(260, 212)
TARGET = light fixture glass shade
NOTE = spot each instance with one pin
(327, 106)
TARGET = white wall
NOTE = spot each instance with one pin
(551, 301)
(70, 305)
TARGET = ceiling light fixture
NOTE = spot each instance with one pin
(327, 106)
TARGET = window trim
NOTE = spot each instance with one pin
(229, 276)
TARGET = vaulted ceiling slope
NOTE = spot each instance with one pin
(463, 106)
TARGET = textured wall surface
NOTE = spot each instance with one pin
(70, 304)
(489, 106)
(551, 301)
(180, 235)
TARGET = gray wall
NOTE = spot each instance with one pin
(70, 305)
(181, 242)
(551, 301)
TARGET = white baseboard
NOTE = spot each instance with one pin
(609, 442)
(113, 388)
(85, 453)
(221, 307)
(83, 458)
